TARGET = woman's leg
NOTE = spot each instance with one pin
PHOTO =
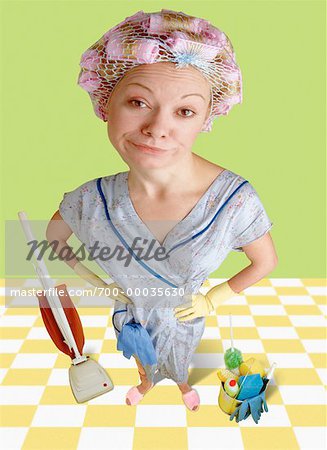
(145, 383)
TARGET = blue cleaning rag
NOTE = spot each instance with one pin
(133, 339)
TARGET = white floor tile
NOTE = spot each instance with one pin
(260, 290)
(290, 360)
(34, 360)
(3, 373)
(38, 333)
(94, 321)
(314, 345)
(208, 394)
(303, 395)
(116, 361)
(92, 346)
(277, 333)
(211, 333)
(110, 333)
(115, 397)
(317, 290)
(214, 438)
(275, 417)
(10, 345)
(296, 300)
(17, 321)
(160, 416)
(59, 416)
(311, 438)
(58, 377)
(207, 360)
(267, 310)
(12, 438)
(307, 321)
(21, 395)
(323, 309)
(323, 375)
(113, 438)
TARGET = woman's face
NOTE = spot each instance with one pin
(157, 105)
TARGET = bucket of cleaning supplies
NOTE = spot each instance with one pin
(227, 403)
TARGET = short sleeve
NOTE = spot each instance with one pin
(250, 221)
(71, 209)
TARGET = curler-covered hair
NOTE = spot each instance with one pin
(165, 36)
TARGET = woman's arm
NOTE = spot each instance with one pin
(263, 259)
(58, 230)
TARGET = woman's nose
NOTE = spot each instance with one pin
(156, 124)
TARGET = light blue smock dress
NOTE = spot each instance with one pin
(228, 216)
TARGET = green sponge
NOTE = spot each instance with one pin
(233, 358)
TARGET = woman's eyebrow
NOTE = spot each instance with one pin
(146, 87)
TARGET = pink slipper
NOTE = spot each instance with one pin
(191, 400)
(134, 396)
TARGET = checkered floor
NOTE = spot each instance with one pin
(281, 320)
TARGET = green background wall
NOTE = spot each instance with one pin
(52, 142)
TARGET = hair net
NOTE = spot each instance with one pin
(165, 36)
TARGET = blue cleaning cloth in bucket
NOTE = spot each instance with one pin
(133, 339)
(251, 387)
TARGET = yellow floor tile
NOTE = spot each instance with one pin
(28, 377)
(282, 346)
(6, 359)
(110, 416)
(319, 299)
(57, 395)
(203, 377)
(296, 376)
(265, 282)
(163, 395)
(94, 333)
(260, 356)
(210, 346)
(38, 346)
(257, 438)
(291, 290)
(319, 360)
(272, 321)
(14, 333)
(32, 311)
(262, 300)
(239, 333)
(211, 321)
(209, 416)
(98, 311)
(273, 396)
(160, 438)
(302, 310)
(17, 416)
(110, 346)
(122, 377)
(307, 415)
(311, 332)
(52, 438)
(62, 361)
(314, 281)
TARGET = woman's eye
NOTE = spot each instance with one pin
(188, 115)
(137, 101)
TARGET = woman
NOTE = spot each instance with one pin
(159, 79)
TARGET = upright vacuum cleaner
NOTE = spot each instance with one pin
(87, 378)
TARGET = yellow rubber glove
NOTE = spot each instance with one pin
(203, 305)
(87, 274)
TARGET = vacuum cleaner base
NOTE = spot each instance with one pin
(88, 380)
